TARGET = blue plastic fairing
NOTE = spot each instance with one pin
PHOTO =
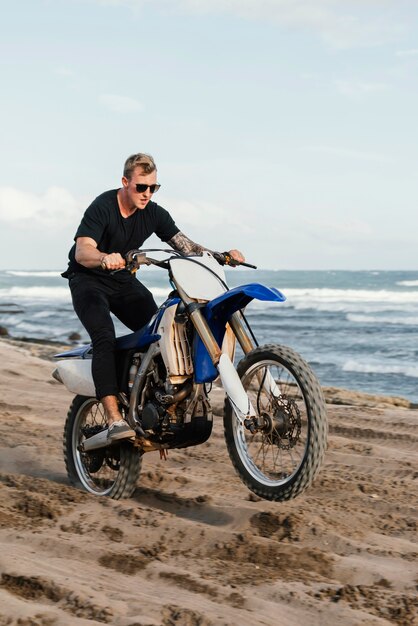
(217, 313)
(138, 340)
(146, 335)
(239, 297)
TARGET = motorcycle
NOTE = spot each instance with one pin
(274, 415)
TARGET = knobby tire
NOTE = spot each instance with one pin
(306, 411)
(123, 478)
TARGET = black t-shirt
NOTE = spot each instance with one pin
(112, 232)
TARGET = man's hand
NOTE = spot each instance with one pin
(232, 258)
(236, 255)
(113, 261)
(87, 254)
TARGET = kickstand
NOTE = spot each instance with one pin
(163, 454)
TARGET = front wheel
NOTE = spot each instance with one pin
(111, 471)
(278, 454)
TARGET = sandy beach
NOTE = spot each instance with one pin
(193, 546)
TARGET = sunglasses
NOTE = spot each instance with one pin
(141, 188)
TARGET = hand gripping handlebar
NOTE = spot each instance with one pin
(136, 258)
(224, 258)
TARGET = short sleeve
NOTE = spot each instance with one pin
(94, 222)
(166, 227)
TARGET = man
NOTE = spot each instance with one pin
(118, 221)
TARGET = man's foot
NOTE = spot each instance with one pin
(119, 430)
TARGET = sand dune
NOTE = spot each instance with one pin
(193, 546)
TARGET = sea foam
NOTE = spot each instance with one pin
(405, 369)
(36, 293)
(350, 300)
(43, 274)
(56, 293)
(383, 319)
(408, 283)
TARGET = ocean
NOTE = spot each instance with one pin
(358, 330)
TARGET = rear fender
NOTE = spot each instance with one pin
(76, 376)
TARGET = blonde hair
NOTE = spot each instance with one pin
(139, 160)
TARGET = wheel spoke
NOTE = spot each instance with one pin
(276, 453)
(97, 469)
(111, 471)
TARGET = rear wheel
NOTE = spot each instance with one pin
(112, 471)
(280, 451)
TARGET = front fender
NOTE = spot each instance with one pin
(217, 313)
(238, 298)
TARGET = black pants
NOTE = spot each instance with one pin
(94, 298)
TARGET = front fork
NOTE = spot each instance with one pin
(265, 379)
(231, 382)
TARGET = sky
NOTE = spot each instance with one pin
(284, 128)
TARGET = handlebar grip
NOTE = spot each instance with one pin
(229, 260)
(220, 257)
(224, 258)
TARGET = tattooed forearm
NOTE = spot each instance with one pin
(185, 245)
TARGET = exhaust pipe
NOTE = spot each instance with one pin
(95, 442)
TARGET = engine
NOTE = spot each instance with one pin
(174, 411)
(176, 416)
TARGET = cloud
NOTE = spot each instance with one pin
(120, 104)
(201, 214)
(64, 71)
(407, 53)
(55, 208)
(340, 230)
(358, 89)
(339, 23)
(350, 154)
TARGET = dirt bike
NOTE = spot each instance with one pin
(274, 415)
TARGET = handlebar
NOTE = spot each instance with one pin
(135, 258)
